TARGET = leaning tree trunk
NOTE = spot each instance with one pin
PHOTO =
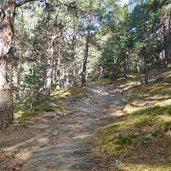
(7, 8)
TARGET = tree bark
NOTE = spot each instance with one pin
(166, 37)
(139, 73)
(85, 62)
(6, 34)
(7, 10)
(73, 56)
(6, 114)
(125, 68)
(145, 70)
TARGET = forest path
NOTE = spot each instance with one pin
(63, 144)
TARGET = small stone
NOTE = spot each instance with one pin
(55, 133)
(49, 114)
(17, 125)
(39, 169)
(43, 140)
(40, 126)
(115, 101)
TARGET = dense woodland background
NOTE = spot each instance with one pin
(85, 85)
(59, 44)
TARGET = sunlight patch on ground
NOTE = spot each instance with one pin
(25, 156)
(131, 109)
(143, 167)
(20, 115)
(82, 136)
(73, 92)
(129, 84)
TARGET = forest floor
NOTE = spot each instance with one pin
(106, 126)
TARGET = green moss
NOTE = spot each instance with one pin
(107, 141)
(114, 125)
(142, 121)
(117, 143)
(167, 111)
(164, 122)
(124, 139)
(151, 111)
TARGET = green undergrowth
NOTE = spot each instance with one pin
(56, 102)
(74, 93)
(141, 140)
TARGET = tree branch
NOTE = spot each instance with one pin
(22, 2)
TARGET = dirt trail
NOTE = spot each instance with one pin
(62, 144)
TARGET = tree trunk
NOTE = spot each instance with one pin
(73, 56)
(85, 62)
(125, 70)
(166, 37)
(7, 10)
(6, 114)
(158, 66)
(139, 73)
(145, 70)
(6, 34)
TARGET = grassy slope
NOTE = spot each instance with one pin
(142, 139)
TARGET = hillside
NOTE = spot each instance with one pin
(140, 139)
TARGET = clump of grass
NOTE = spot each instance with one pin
(167, 111)
(114, 125)
(164, 122)
(142, 121)
(76, 92)
(117, 143)
(73, 92)
(22, 116)
(151, 111)
(148, 138)
(123, 140)
(52, 104)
